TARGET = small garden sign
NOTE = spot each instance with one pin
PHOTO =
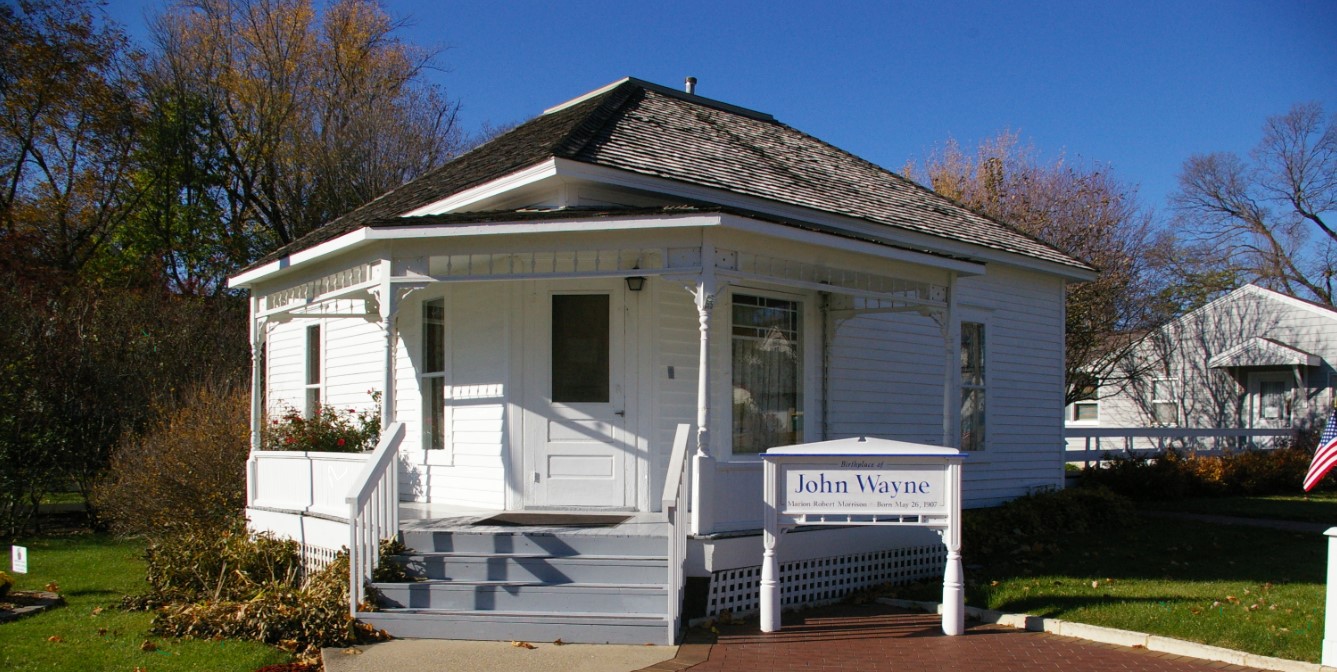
(864, 481)
(18, 557)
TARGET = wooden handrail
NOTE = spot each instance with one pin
(373, 511)
(673, 501)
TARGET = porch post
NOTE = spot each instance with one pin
(703, 463)
(389, 308)
(953, 579)
(257, 372)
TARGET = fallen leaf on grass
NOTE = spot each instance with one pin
(97, 611)
(52, 587)
(55, 639)
(102, 632)
(148, 646)
(523, 645)
(1095, 584)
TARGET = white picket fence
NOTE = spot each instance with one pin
(1089, 445)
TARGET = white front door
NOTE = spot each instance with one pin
(1270, 399)
(575, 440)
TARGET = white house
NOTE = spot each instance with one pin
(1252, 359)
(543, 313)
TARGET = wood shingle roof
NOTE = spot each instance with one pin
(650, 130)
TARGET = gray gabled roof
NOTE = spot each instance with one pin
(651, 130)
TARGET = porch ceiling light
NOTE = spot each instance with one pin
(635, 283)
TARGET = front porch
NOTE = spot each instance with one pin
(574, 574)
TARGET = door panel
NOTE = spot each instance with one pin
(575, 438)
(1270, 398)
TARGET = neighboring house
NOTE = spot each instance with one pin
(543, 312)
(1252, 359)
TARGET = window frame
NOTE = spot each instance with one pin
(1074, 410)
(434, 411)
(803, 392)
(313, 384)
(979, 389)
(1159, 400)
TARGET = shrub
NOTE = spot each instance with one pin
(188, 470)
(329, 430)
(217, 563)
(5, 584)
(1174, 475)
(1038, 521)
(299, 617)
(226, 583)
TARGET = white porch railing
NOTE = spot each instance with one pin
(1098, 442)
(373, 511)
(674, 506)
(305, 482)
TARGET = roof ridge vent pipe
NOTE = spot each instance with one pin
(691, 85)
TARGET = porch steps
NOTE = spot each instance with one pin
(580, 585)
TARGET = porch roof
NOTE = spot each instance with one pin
(1260, 352)
(642, 129)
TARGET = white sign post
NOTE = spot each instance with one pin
(864, 482)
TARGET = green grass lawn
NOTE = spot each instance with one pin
(1242, 588)
(90, 632)
(1314, 508)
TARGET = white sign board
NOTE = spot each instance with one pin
(19, 559)
(864, 482)
(864, 486)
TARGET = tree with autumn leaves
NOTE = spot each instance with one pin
(134, 180)
(1083, 210)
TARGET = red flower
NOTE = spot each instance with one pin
(340, 442)
(290, 440)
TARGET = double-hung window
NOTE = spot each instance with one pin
(313, 365)
(767, 373)
(972, 386)
(1164, 403)
(433, 377)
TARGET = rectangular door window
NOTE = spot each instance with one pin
(1272, 400)
(580, 348)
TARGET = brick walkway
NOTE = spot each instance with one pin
(873, 638)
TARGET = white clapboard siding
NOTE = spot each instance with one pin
(470, 471)
(354, 362)
(285, 366)
(886, 377)
(676, 343)
(1024, 383)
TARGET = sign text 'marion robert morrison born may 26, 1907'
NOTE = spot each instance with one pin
(865, 484)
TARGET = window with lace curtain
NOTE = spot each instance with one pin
(767, 373)
(972, 386)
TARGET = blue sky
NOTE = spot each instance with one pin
(1138, 85)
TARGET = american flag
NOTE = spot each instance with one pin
(1325, 457)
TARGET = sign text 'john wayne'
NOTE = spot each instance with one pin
(854, 485)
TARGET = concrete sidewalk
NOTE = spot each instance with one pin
(866, 638)
(437, 655)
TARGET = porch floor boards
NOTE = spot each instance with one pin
(419, 517)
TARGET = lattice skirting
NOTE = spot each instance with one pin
(824, 580)
(316, 558)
